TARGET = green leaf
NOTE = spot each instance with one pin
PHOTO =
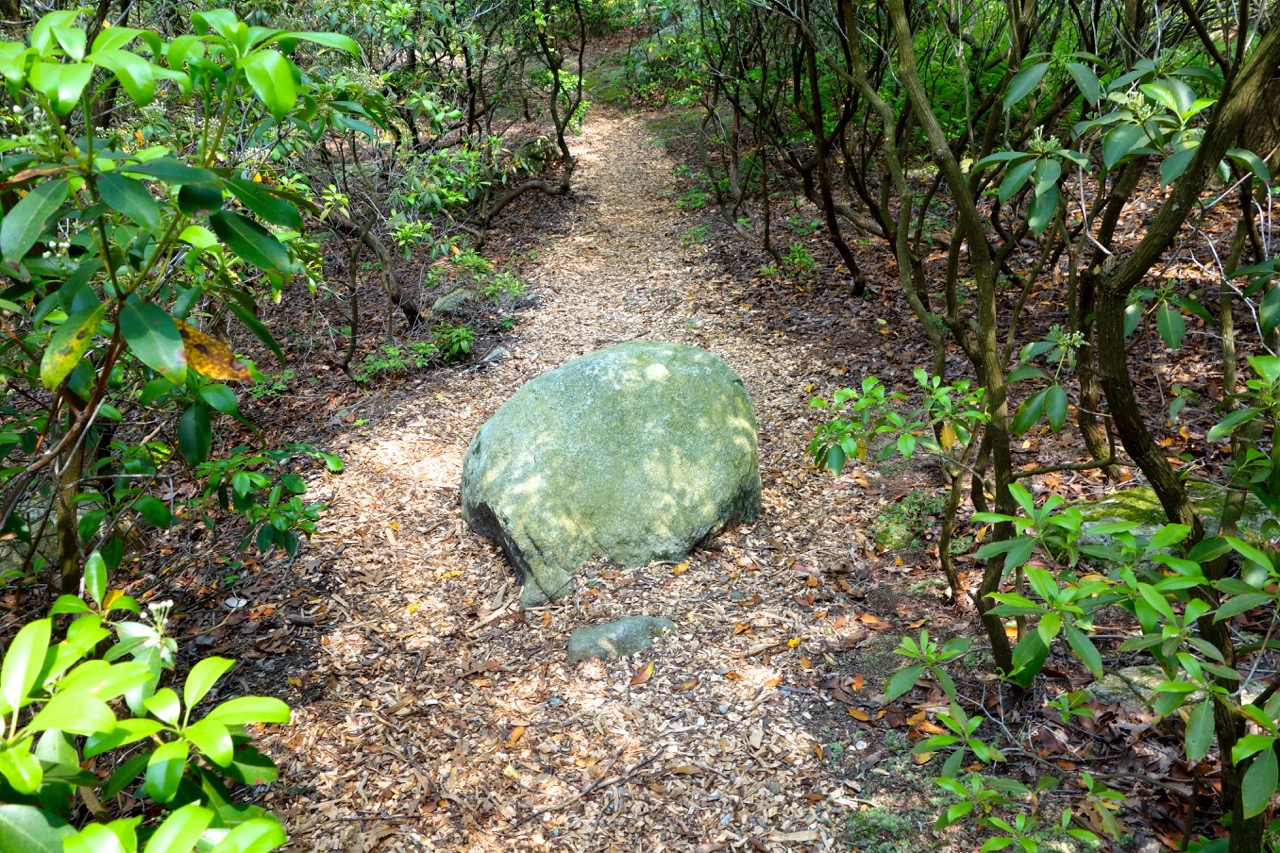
(20, 768)
(136, 75)
(154, 510)
(1259, 783)
(1085, 650)
(127, 731)
(1028, 414)
(1055, 406)
(251, 767)
(22, 226)
(250, 709)
(202, 677)
(164, 705)
(1120, 141)
(75, 711)
(1086, 81)
(199, 199)
(32, 830)
(259, 330)
(212, 739)
(1041, 210)
(124, 775)
(165, 769)
(1241, 604)
(334, 40)
(221, 399)
(251, 241)
(61, 83)
(195, 435)
(69, 343)
(265, 204)
(1228, 424)
(154, 338)
(1176, 163)
(1015, 179)
(1171, 325)
(1249, 552)
(1251, 162)
(23, 661)
(131, 198)
(170, 171)
(1269, 310)
(97, 838)
(180, 830)
(1199, 735)
(258, 835)
(270, 76)
(902, 681)
(1023, 82)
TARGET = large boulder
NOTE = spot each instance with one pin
(634, 453)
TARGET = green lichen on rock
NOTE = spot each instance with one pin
(635, 453)
(616, 639)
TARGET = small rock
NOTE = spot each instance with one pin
(616, 639)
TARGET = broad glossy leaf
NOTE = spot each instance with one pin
(1023, 82)
(180, 830)
(251, 241)
(1120, 141)
(75, 711)
(202, 677)
(32, 830)
(131, 198)
(68, 345)
(270, 76)
(1086, 81)
(20, 768)
(334, 40)
(61, 83)
(1172, 326)
(165, 769)
(1176, 163)
(22, 662)
(257, 835)
(1269, 310)
(136, 75)
(27, 221)
(152, 335)
(250, 709)
(213, 739)
(1259, 783)
(95, 577)
(114, 38)
(1199, 735)
(199, 199)
(221, 399)
(265, 204)
(1028, 414)
(195, 434)
(170, 171)
(1055, 406)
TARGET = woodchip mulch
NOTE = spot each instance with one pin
(431, 714)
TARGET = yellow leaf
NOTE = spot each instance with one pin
(860, 716)
(805, 663)
(511, 772)
(516, 734)
(296, 682)
(923, 757)
(681, 568)
(413, 607)
(794, 641)
(862, 451)
(948, 436)
(452, 575)
(689, 685)
(643, 674)
(210, 357)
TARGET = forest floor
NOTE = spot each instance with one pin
(431, 714)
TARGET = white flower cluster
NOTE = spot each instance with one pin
(59, 247)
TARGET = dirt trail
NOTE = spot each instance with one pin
(431, 715)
